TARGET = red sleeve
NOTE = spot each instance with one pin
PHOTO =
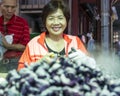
(26, 34)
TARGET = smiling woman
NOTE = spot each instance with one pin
(55, 18)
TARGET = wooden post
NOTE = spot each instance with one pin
(75, 17)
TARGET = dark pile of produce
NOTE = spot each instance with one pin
(59, 78)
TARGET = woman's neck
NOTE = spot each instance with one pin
(55, 43)
(55, 37)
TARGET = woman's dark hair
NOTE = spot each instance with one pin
(52, 6)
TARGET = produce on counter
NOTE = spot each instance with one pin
(60, 77)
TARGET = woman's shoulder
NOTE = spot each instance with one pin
(38, 38)
(71, 36)
(34, 39)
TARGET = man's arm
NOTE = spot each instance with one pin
(17, 47)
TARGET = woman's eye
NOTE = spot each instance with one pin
(60, 18)
(50, 18)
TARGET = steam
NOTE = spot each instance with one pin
(108, 63)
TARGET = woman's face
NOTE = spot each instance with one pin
(56, 23)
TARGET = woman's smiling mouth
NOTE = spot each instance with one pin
(56, 28)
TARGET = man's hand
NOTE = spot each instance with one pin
(7, 43)
(4, 41)
(81, 58)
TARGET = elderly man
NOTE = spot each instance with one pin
(16, 27)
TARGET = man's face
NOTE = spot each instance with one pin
(8, 8)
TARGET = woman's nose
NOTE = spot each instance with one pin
(56, 21)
